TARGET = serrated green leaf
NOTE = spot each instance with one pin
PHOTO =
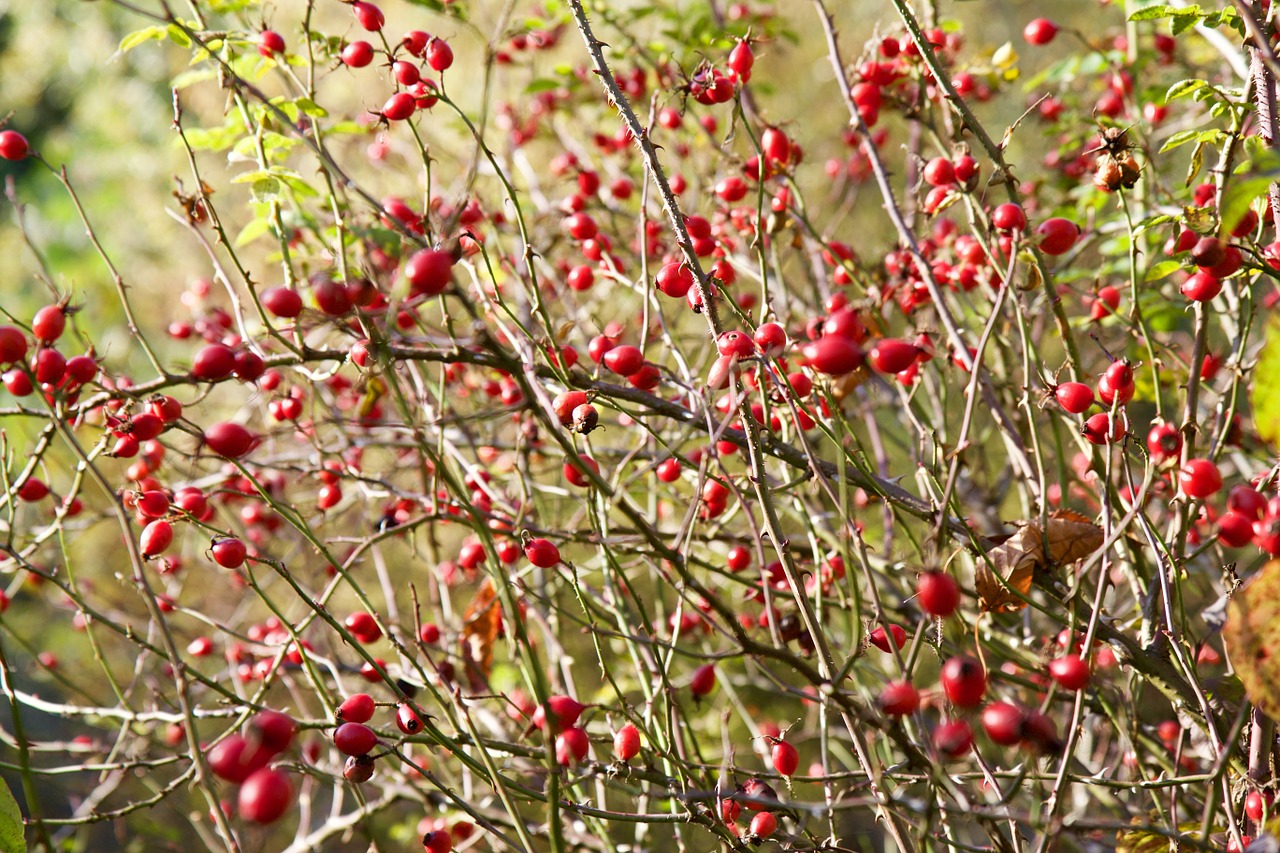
(11, 827)
(1162, 270)
(1180, 138)
(250, 177)
(142, 36)
(265, 189)
(211, 138)
(1184, 87)
(542, 85)
(1264, 396)
(311, 108)
(178, 36)
(1182, 23)
(1197, 162)
(252, 231)
(1151, 13)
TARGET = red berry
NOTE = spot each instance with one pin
(13, 345)
(542, 553)
(437, 841)
(363, 626)
(953, 738)
(49, 323)
(771, 338)
(265, 796)
(236, 759)
(399, 106)
(899, 698)
(742, 59)
(1256, 804)
(1057, 235)
(939, 172)
(429, 272)
(1201, 287)
(439, 54)
(834, 355)
(229, 553)
(938, 593)
(1164, 442)
(156, 538)
(1009, 217)
(270, 43)
(407, 719)
(13, 145)
(1040, 31)
(228, 440)
(1075, 397)
(624, 360)
(275, 731)
(368, 15)
(785, 758)
(1002, 721)
(1070, 671)
(626, 743)
(572, 745)
(964, 681)
(704, 680)
(356, 708)
(1235, 530)
(575, 476)
(764, 824)
(890, 355)
(213, 363)
(282, 302)
(674, 280)
(1199, 478)
(354, 739)
(1102, 429)
(881, 640)
(564, 710)
(358, 54)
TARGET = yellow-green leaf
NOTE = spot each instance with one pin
(11, 830)
(1265, 393)
(1252, 636)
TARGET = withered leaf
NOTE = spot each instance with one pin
(1068, 537)
(481, 625)
(845, 385)
(1251, 635)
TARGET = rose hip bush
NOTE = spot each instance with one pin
(577, 441)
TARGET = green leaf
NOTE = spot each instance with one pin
(1265, 394)
(11, 828)
(178, 36)
(211, 138)
(1197, 162)
(138, 37)
(311, 108)
(1161, 270)
(1184, 87)
(543, 85)
(252, 231)
(265, 189)
(1182, 23)
(1152, 13)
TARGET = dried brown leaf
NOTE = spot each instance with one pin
(1069, 537)
(481, 625)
